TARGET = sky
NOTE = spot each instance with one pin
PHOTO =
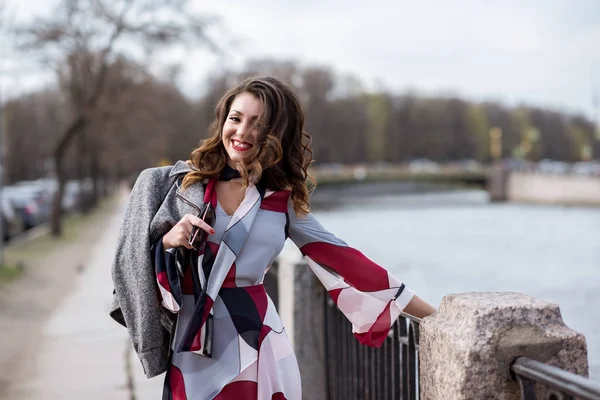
(538, 52)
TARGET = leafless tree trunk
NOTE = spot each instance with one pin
(74, 31)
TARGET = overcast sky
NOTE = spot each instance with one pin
(543, 52)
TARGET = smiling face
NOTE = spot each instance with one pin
(240, 131)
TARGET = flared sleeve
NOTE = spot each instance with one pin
(368, 295)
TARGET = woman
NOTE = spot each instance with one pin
(212, 326)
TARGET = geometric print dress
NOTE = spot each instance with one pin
(251, 357)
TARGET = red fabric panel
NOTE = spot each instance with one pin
(264, 331)
(196, 344)
(210, 194)
(277, 201)
(187, 284)
(163, 280)
(379, 330)
(335, 293)
(214, 247)
(239, 390)
(207, 307)
(229, 281)
(259, 297)
(176, 384)
(278, 396)
(351, 264)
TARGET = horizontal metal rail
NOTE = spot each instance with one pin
(560, 383)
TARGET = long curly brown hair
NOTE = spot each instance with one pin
(284, 154)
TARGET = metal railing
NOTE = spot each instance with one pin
(355, 371)
(534, 376)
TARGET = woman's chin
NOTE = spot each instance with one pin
(234, 161)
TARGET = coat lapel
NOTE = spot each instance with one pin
(192, 196)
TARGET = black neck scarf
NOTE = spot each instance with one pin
(228, 173)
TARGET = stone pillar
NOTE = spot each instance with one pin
(309, 338)
(498, 182)
(467, 347)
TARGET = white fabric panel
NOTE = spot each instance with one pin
(168, 301)
(276, 373)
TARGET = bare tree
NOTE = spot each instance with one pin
(83, 37)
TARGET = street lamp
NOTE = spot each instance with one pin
(496, 143)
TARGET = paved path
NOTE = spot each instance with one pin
(84, 354)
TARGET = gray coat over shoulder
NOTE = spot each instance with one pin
(157, 202)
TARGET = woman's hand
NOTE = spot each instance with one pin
(180, 234)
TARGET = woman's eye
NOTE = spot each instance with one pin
(235, 119)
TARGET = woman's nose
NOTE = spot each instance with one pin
(243, 129)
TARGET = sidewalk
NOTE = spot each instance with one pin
(84, 354)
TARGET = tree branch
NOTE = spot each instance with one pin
(119, 28)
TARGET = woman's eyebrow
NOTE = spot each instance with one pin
(242, 114)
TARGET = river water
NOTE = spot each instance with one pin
(452, 242)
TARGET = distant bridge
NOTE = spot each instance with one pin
(502, 183)
(452, 176)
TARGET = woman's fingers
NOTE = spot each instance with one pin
(200, 224)
(180, 234)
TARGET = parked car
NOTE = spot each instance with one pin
(42, 194)
(553, 167)
(12, 224)
(26, 205)
(586, 168)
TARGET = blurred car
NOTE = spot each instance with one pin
(74, 194)
(12, 224)
(41, 192)
(553, 167)
(26, 205)
(586, 168)
(423, 165)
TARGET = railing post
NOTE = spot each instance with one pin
(309, 331)
(467, 347)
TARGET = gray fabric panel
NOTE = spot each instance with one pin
(204, 377)
(306, 229)
(235, 237)
(251, 264)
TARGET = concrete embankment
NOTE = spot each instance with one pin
(553, 189)
(539, 188)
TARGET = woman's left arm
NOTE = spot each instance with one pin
(419, 307)
(369, 296)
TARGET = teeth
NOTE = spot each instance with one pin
(241, 145)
